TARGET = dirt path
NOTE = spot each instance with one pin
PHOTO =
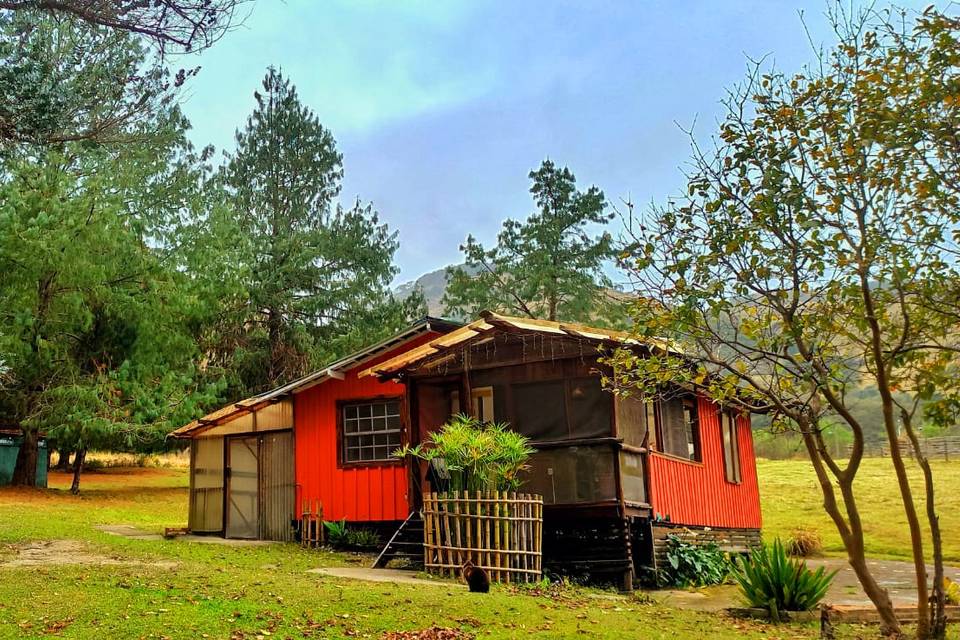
(394, 576)
(55, 553)
(894, 575)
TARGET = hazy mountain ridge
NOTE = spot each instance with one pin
(433, 285)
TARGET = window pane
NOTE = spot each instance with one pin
(731, 446)
(679, 428)
(371, 431)
(673, 439)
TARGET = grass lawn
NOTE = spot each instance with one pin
(791, 498)
(180, 589)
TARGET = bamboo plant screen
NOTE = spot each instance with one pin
(500, 532)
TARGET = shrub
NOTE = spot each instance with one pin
(340, 536)
(362, 538)
(804, 542)
(479, 457)
(147, 460)
(336, 533)
(770, 579)
(693, 565)
(951, 590)
(94, 464)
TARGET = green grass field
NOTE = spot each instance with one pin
(213, 591)
(791, 498)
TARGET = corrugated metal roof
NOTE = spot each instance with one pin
(489, 322)
(333, 370)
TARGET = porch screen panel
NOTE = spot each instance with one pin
(206, 485)
(631, 420)
(589, 408)
(539, 409)
(572, 475)
(632, 477)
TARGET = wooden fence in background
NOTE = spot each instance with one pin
(944, 448)
(500, 532)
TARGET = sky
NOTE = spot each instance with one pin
(442, 108)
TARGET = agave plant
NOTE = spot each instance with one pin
(479, 457)
(770, 579)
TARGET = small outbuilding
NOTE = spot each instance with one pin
(326, 438)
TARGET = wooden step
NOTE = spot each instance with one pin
(406, 542)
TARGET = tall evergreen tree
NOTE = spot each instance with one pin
(549, 266)
(316, 275)
(92, 322)
(92, 346)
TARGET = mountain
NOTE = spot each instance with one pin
(433, 285)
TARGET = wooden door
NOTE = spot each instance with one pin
(243, 483)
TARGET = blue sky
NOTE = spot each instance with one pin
(442, 108)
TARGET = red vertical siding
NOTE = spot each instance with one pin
(359, 494)
(698, 493)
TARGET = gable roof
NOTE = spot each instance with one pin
(335, 370)
(490, 322)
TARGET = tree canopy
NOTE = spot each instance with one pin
(91, 329)
(814, 255)
(143, 286)
(550, 266)
(312, 276)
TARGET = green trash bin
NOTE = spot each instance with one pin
(10, 447)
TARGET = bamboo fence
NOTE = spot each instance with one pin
(499, 531)
(311, 525)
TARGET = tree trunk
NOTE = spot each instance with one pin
(851, 534)
(938, 597)
(881, 372)
(274, 330)
(913, 522)
(63, 462)
(78, 459)
(25, 471)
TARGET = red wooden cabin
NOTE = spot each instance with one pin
(617, 474)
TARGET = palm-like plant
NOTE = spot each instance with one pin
(770, 579)
(479, 457)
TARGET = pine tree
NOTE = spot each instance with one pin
(549, 266)
(93, 341)
(315, 273)
(92, 326)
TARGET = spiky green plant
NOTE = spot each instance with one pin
(479, 457)
(770, 579)
(336, 532)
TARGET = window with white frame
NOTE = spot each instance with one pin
(371, 431)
